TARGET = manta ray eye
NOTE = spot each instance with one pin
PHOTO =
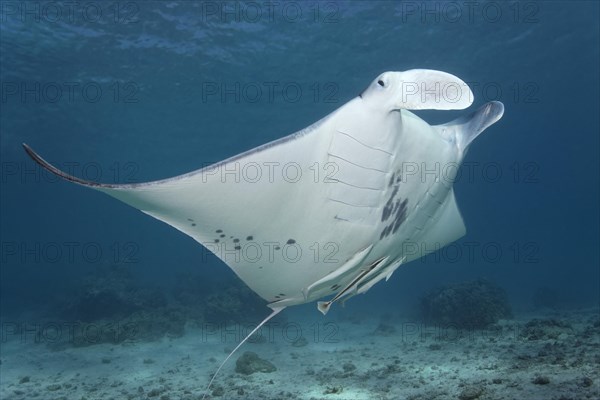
(380, 83)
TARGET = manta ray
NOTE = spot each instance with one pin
(333, 209)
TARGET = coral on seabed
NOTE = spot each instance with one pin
(474, 304)
(110, 292)
(110, 306)
(221, 301)
(250, 362)
(233, 301)
(543, 329)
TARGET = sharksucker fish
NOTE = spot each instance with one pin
(335, 208)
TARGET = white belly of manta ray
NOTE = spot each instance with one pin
(334, 208)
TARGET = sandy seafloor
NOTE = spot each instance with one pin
(350, 358)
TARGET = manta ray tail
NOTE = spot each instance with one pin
(465, 129)
(276, 310)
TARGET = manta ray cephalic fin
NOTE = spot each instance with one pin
(465, 129)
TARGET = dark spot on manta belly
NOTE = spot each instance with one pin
(222, 235)
(389, 206)
(216, 240)
(193, 224)
(387, 211)
(238, 247)
(219, 231)
(249, 238)
(386, 231)
(291, 241)
(399, 213)
(236, 240)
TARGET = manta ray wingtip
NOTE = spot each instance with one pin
(39, 160)
(29, 150)
(51, 168)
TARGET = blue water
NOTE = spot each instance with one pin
(138, 91)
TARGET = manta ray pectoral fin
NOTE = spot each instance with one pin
(46, 165)
(446, 227)
(465, 129)
(136, 194)
(119, 191)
